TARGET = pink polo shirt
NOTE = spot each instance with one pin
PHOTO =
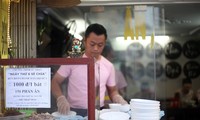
(77, 76)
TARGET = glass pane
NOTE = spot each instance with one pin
(28, 91)
(152, 68)
(139, 62)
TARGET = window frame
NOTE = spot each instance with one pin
(62, 61)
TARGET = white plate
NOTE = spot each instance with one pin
(58, 115)
(114, 116)
(145, 101)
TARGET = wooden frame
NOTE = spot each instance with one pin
(64, 61)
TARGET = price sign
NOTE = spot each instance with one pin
(154, 69)
(28, 87)
(135, 71)
(135, 50)
(173, 50)
(191, 69)
(172, 70)
(191, 49)
(154, 52)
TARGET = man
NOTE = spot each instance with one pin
(95, 39)
(185, 94)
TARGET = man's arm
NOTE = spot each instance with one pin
(55, 85)
(112, 91)
(114, 95)
(62, 103)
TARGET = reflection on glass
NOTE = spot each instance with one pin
(28, 91)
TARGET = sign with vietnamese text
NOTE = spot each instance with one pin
(28, 87)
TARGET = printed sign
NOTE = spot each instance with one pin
(173, 50)
(28, 87)
(135, 71)
(191, 69)
(154, 52)
(172, 70)
(154, 70)
(191, 49)
(135, 50)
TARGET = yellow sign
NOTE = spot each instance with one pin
(140, 21)
(0, 4)
(5, 4)
(4, 28)
(128, 29)
(4, 44)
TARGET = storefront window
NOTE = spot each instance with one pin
(153, 47)
(160, 51)
(28, 90)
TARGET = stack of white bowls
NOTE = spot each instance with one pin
(143, 109)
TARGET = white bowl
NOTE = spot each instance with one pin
(114, 116)
(125, 108)
(145, 101)
(108, 110)
(145, 118)
(148, 115)
(144, 107)
(144, 110)
(115, 106)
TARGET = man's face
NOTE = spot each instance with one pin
(94, 45)
(187, 87)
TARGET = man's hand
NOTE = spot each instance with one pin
(119, 99)
(63, 105)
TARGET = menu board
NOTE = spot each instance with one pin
(154, 52)
(154, 69)
(135, 50)
(191, 69)
(135, 71)
(191, 49)
(28, 87)
(173, 50)
(172, 69)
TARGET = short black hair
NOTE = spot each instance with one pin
(186, 81)
(97, 29)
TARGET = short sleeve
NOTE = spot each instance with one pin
(111, 78)
(64, 70)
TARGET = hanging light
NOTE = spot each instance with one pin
(61, 3)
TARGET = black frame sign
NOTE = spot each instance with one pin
(172, 70)
(191, 69)
(191, 49)
(173, 50)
